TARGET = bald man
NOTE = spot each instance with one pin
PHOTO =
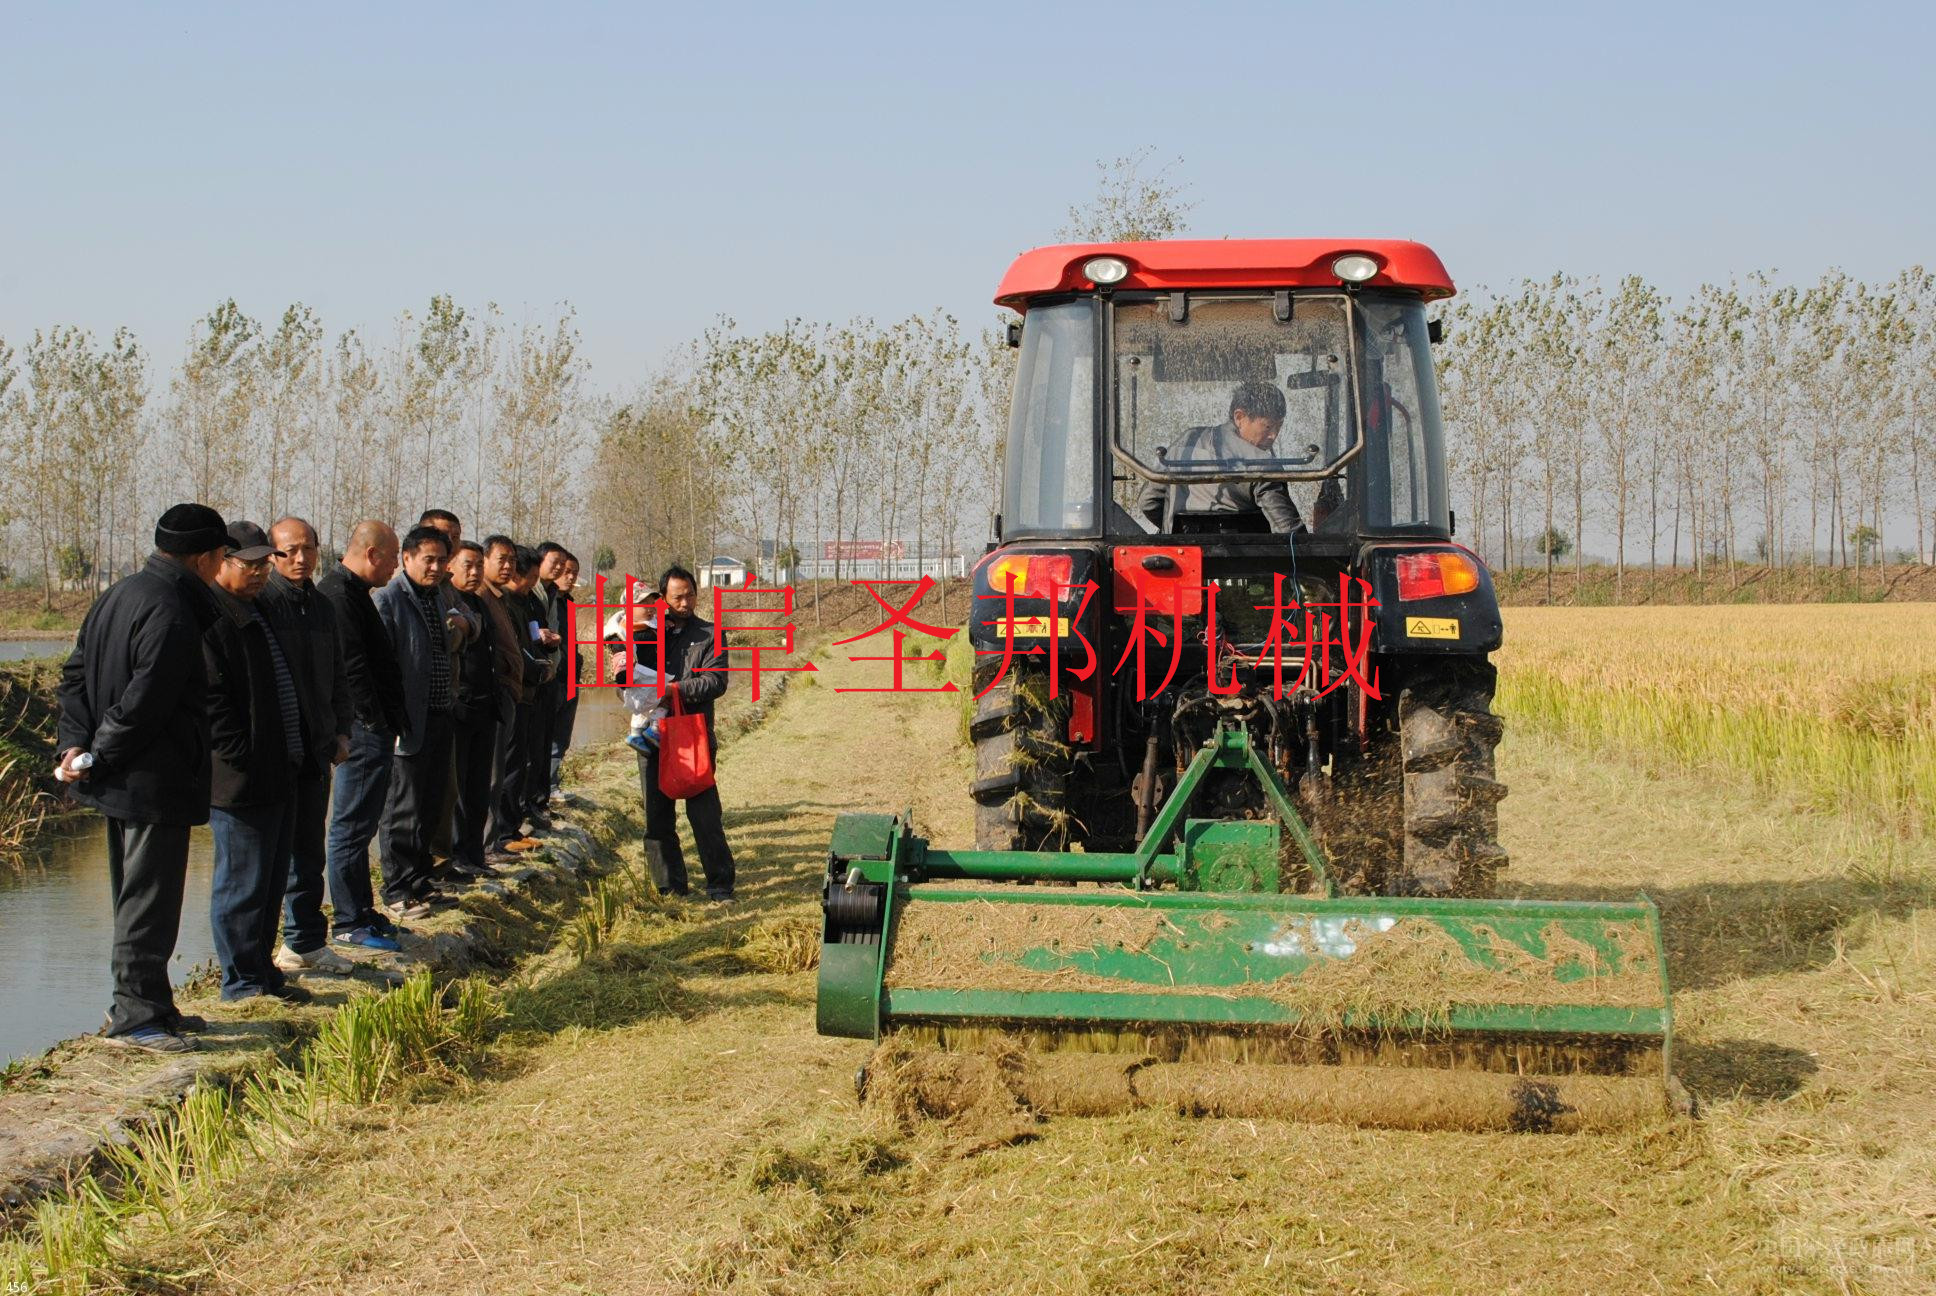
(305, 623)
(361, 781)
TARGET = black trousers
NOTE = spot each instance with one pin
(443, 821)
(537, 751)
(663, 855)
(147, 869)
(417, 788)
(475, 754)
(507, 773)
(304, 929)
(562, 722)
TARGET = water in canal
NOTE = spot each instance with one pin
(56, 923)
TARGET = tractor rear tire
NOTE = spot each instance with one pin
(1446, 737)
(1021, 765)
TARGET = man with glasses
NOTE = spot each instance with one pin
(305, 623)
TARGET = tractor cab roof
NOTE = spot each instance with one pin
(1168, 265)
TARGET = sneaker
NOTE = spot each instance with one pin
(563, 797)
(365, 938)
(152, 1039)
(406, 910)
(291, 993)
(187, 1024)
(518, 845)
(380, 923)
(466, 870)
(321, 959)
(720, 899)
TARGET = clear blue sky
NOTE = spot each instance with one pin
(659, 166)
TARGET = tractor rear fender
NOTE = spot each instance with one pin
(1432, 598)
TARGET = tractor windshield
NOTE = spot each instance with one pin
(1275, 410)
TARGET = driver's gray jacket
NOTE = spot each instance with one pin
(1219, 443)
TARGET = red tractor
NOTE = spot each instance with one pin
(1251, 427)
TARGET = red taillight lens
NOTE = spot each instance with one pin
(1034, 574)
(1436, 575)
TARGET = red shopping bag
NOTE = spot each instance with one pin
(685, 757)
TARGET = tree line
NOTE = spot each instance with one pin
(795, 439)
(1751, 422)
(454, 409)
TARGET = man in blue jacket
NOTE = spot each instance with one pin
(411, 606)
(133, 699)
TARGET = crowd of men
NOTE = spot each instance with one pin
(414, 695)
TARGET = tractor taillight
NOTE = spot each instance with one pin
(1034, 574)
(1435, 575)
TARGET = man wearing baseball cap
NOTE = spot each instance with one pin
(256, 734)
(134, 744)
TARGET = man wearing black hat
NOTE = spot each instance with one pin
(134, 744)
(256, 733)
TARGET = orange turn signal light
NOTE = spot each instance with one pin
(1436, 575)
(1036, 576)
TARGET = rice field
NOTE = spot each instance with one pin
(1833, 704)
(657, 1114)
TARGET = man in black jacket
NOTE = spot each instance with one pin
(550, 602)
(305, 624)
(132, 698)
(474, 711)
(565, 718)
(255, 732)
(499, 596)
(362, 781)
(695, 666)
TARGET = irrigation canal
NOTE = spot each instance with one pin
(56, 922)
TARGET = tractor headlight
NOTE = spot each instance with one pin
(1105, 270)
(1354, 267)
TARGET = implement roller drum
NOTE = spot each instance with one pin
(854, 914)
(942, 1084)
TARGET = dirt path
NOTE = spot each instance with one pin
(665, 1120)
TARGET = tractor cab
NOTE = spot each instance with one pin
(1329, 342)
(1222, 435)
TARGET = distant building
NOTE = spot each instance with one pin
(727, 573)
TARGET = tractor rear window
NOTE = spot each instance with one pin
(1223, 390)
(1050, 483)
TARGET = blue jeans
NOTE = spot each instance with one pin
(360, 787)
(303, 927)
(251, 872)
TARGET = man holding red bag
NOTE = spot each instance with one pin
(679, 766)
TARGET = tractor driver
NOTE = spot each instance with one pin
(1256, 417)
